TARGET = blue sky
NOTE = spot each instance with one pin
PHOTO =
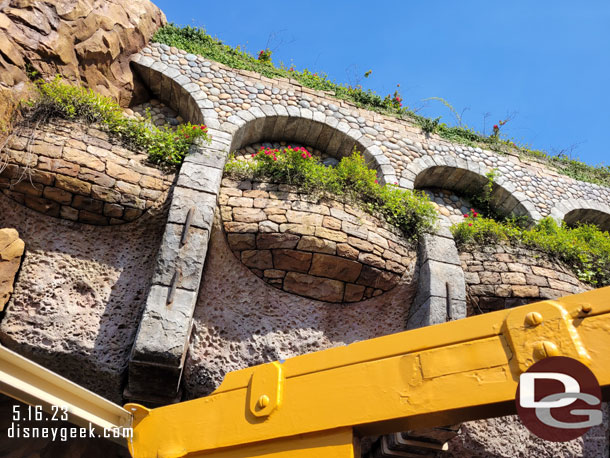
(546, 63)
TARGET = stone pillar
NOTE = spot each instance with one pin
(159, 351)
(441, 294)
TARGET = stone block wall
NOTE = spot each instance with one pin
(318, 248)
(502, 276)
(76, 172)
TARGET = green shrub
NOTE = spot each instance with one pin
(351, 179)
(165, 146)
(585, 248)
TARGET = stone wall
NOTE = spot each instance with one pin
(84, 291)
(318, 248)
(504, 276)
(75, 172)
(246, 105)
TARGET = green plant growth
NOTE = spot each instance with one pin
(430, 126)
(264, 55)
(165, 146)
(585, 248)
(195, 40)
(351, 180)
(482, 199)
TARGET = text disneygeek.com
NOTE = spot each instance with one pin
(22, 428)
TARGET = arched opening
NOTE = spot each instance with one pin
(467, 183)
(173, 89)
(588, 216)
(313, 249)
(334, 139)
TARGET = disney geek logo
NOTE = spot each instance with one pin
(559, 399)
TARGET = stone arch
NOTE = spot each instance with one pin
(582, 211)
(466, 176)
(301, 125)
(176, 90)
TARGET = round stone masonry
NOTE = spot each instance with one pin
(503, 276)
(314, 247)
(76, 172)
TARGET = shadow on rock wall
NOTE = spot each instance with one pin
(80, 293)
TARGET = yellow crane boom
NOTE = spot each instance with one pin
(319, 404)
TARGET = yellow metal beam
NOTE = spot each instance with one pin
(438, 375)
(31, 383)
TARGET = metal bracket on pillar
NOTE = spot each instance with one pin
(187, 226)
(172, 290)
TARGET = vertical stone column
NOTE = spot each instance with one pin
(441, 294)
(159, 351)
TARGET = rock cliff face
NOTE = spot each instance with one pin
(87, 41)
(11, 250)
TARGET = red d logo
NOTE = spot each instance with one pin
(559, 399)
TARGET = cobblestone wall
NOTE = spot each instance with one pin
(501, 276)
(231, 100)
(68, 170)
(317, 248)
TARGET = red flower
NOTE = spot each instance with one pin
(376, 182)
(465, 216)
(194, 127)
(496, 127)
(470, 224)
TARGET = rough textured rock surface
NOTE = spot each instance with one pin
(11, 250)
(83, 40)
(241, 321)
(506, 437)
(81, 289)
